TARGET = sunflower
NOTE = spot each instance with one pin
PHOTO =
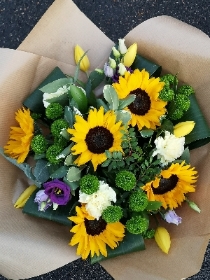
(93, 137)
(172, 185)
(147, 108)
(92, 235)
(20, 138)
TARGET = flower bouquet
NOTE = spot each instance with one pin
(114, 169)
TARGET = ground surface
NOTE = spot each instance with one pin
(115, 18)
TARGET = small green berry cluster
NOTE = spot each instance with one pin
(125, 180)
(178, 99)
(137, 225)
(138, 201)
(89, 184)
(112, 214)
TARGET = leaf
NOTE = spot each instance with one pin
(55, 85)
(69, 160)
(35, 100)
(130, 243)
(146, 133)
(41, 171)
(201, 132)
(186, 156)
(111, 97)
(61, 99)
(74, 174)
(96, 78)
(126, 101)
(59, 173)
(60, 215)
(167, 125)
(153, 205)
(123, 116)
(142, 63)
(100, 102)
(79, 96)
(69, 116)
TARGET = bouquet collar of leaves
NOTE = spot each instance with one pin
(111, 167)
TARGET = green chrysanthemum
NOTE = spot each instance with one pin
(137, 225)
(89, 184)
(39, 144)
(54, 111)
(112, 214)
(138, 201)
(125, 180)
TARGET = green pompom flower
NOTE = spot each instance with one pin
(36, 116)
(182, 102)
(125, 180)
(149, 234)
(52, 152)
(89, 184)
(112, 214)
(138, 201)
(166, 94)
(186, 90)
(137, 225)
(39, 144)
(57, 126)
(54, 111)
(177, 114)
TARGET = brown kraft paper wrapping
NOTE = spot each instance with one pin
(31, 246)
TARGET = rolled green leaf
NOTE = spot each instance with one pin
(143, 63)
(131, 243)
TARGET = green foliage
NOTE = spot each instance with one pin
(111, 97)
(89, 184)
(137, 225)
(112, 214)
(79, 96)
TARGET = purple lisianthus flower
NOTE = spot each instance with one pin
(172, 217)
(43, 200)
(58, 191)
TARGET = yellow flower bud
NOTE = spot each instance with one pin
(162, 239)
(84, 63)
(183, 128)
(21, 201)
(130, 55)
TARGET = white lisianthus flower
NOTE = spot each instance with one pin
(97, 202)
(122, 47)
(59, 92)
(168, 148)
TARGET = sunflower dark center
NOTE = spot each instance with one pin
(141, 105)
(99, 139)
(95, 227)
(166, 185)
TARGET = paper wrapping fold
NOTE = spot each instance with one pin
(31, 246)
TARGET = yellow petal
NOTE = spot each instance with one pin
(183, 128)
(130, 55)
(21, 201)
(162, 239)
(84, 63)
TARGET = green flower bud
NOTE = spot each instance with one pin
(57, 126)
(112, 63)
(122, 69)
(54, 111)
(170, 78)
(166, 94)
(125, 180)
(182, 102)
(138, 201)
(112, 214)
(36, 116)
(177, 114)
(89, 184)
(116, 53)
(39, 144)
(52, 152)
(149, 234)
(186, 90)
(137, 225)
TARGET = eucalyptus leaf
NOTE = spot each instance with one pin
(100, 102)
(123, 116)
(126, 101)
(130, 243)
(111, 97)
(59, 173)
(65, 152)
(41, 171)
(69, 160)
(74, 174)
(55, 85)
(146, 133)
